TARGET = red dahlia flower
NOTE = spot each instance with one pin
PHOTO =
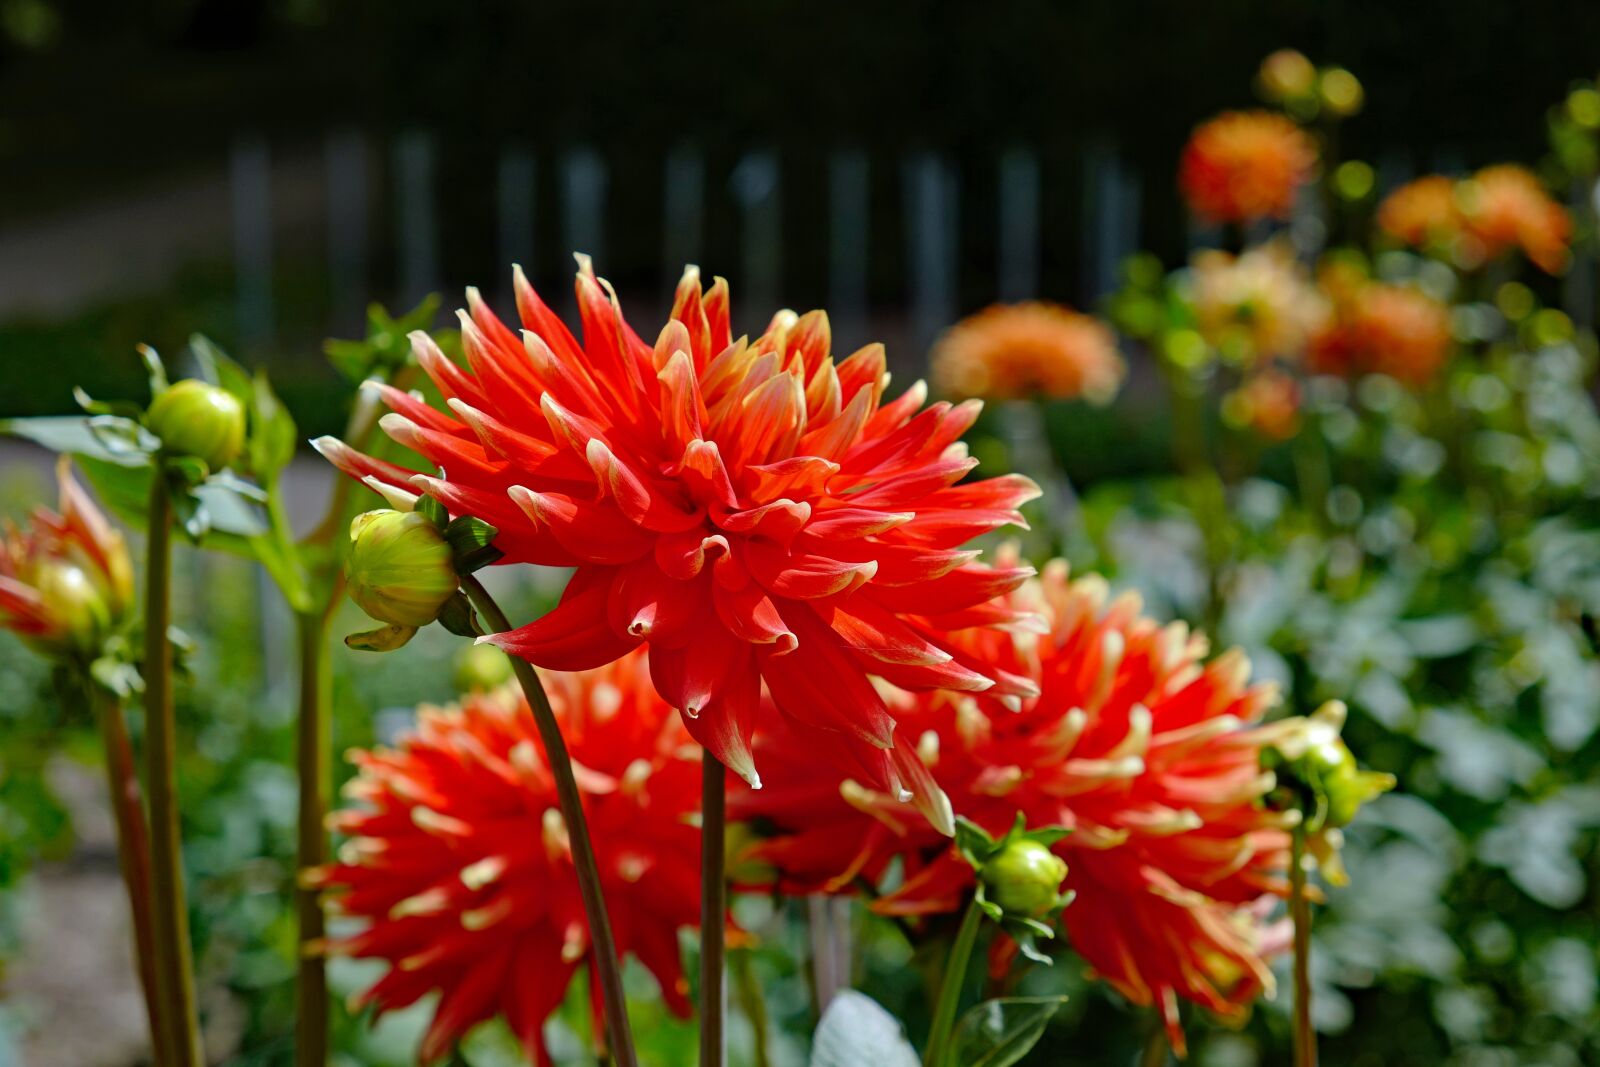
(458, 858)
(750, 510)
(1245, 165)
(1136, 743)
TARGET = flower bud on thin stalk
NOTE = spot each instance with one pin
(195, 418)
(66, 589)
(401, 571)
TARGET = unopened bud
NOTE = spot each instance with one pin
(480, 668)
(1024, 878)
(194, 418)
(400, 568)
(1286, 75)
(76, 605)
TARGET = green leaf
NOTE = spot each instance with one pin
(457, 616)
(433, 511)
(469, 540)
(219, 369)
(105, 438)
(973, 842)
(272, 431)
(855, 1032)
(154, 369)
(998, 1033)
(122, 409)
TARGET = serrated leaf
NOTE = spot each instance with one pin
(856, 1031)
(998, 1033)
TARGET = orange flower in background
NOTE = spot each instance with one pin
(1011, 351)
(1267, 402)
(1261, 304)
(1421, 212)
(1396, 330)
(1136, 743)
(459, 865)
(1245, 165)
(1505, 207)
(66, 582)
(749, 510)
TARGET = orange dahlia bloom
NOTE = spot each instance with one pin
(1010, 351)
(1268, 402)
(459, 864)
(750, 510)
(1262, 300)
(66, 582)
(1421, 212)
(1385, 329)
(1505, 206)
(1245, 165)
(1137, 744)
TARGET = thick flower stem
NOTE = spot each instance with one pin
(1305, 1038)
(169, 910)
(605, 962)
(955, 977)
(133, 854)
(314, 758)
(713, 909)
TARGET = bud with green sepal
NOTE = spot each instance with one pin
(1319, 780)
(196, 418)
(404, 569)
(1019, 879)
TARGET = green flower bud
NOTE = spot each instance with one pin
(480, 668)
(400, 568)
(76, 605)
(1331, 767)
(1024, 878)
(193, 418)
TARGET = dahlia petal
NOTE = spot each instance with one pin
(898, 564)
(893, 415)
(803, 576)
(465, 1003)
(818, 682)
(962, 588)
(517, 537)
(447, 450)
(771, 418)
(865, 369)
(751, 615)
(509, 383)
(778, 521)
(926, 795)
(599, 534)
(905, 490)
(537, 317)
(864, 627)
(683, 411)
(795, 476)
(823, 399)
(705, 476)
(576, 635)
(647, 604)
(412, 407)
(726, 726)
(834, 438)
(450, 379)
(845, 524)
(718, 314)
(684, 555)
(23, 608)
(358, 465)
(604, 341)
(688, 310)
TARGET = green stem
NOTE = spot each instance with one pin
(1305, 1038)
(754, 1005)
(1155, 1048)
(169, 911)
(955, 977)
(133, 854)
(713, 909)
(605, 961)
(314, 760)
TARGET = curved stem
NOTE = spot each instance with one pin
(133, 854)
(169, 910)
(1305, 1038)
(955, 977)
(713, 909)
(605, 961)
(314, 760)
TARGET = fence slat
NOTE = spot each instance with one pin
(250, 174)
(1018, 252)
(416, 218)
(933, 246)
